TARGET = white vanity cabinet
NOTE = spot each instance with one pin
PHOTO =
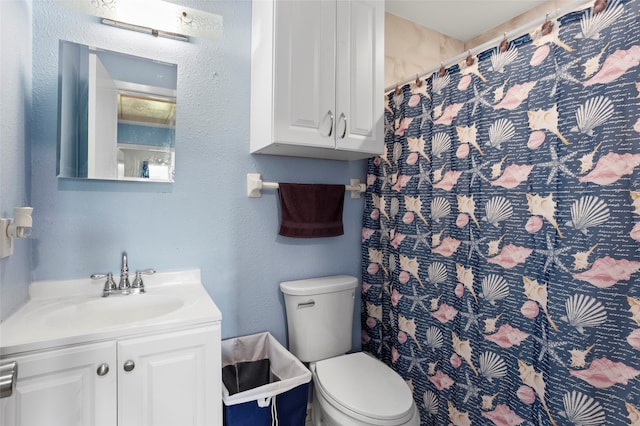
(130, 359)
(317, 71)
(166, 379)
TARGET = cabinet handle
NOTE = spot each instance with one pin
(8, 378)
(103, 369)
(344, 132)
(330, 128)
(129, 365)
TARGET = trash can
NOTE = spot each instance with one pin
(263, 383)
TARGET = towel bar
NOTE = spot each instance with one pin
(255, 185)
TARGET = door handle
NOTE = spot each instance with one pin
(8, 379)
(330, 113)
(343, 117)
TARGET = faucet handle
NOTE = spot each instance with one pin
(138, 285)
(109, 285)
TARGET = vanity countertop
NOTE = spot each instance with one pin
(61, 313)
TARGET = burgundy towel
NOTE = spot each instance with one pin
(311, 211)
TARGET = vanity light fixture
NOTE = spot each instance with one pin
(146, 30)
(156, 17)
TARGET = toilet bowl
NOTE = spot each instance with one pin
(352, 389)
(358, 390)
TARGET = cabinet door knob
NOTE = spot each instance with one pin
(103, 369)
(129, 365)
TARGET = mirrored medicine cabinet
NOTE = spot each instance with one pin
(116, 115)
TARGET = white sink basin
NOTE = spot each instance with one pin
(113, 310)
(72, 311)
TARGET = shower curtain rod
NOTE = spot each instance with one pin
(578, 5)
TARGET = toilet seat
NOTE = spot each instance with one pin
(365, 388)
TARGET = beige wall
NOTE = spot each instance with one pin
(520, 21)
(412, 49)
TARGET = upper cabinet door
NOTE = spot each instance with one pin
(304, 67)
(360, 76)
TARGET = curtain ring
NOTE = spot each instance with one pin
(442, 71)
(418, 81)
(469, 61)
(398, 91)
(599, 6)
(547, 27)
(504, 44)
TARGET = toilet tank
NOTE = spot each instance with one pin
(320, 316)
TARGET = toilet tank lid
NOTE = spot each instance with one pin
(319, 285)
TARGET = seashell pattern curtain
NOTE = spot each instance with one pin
(500, 240)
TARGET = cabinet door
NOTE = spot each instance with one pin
(62, 387)
(175, 379)
(304, 85)
(360, 76)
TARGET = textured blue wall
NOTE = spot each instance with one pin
(204, 220)
(15, 122)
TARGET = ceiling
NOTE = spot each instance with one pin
(460, 19)
(149, 110)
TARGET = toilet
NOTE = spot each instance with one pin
(353, 389)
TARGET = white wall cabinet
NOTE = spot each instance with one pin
(166, 379)
(317, 75)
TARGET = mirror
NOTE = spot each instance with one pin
(116, 115)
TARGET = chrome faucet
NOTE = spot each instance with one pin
(123, 287)
(124, 284)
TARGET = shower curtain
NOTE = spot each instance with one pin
(500, 240)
